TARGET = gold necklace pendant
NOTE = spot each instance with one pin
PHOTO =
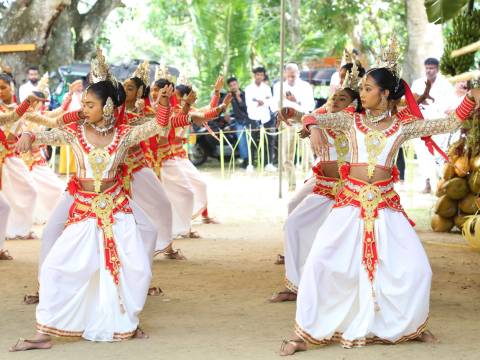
(375, 142)
(341, 147)
(98, 159)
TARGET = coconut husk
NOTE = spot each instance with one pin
(446, 207)
(462, 166)
(448, 172)
(441, 224)
(459, 220)
(441, 189)
(469, 205)
(474, 182)
(456, 188)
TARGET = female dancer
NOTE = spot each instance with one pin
(304, 221)
(94, 280)
(8, 116)
(367, 277)
(18, 186)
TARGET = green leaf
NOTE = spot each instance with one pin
(440, 11)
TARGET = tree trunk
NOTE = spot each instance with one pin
(424, 40)
(294, 24)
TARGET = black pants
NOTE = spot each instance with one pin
(401, 164)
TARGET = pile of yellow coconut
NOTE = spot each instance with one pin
(458, 195)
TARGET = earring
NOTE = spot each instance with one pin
(384, 102)
(108, 111)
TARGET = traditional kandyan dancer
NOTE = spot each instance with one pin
(367, 278)
(95, 278)
(9, 162)
(169, 159)
(18, 187)
(304, 221)
(48, 185)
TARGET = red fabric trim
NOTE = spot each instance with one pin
(464, 110)
(22, 108)
(71, 117)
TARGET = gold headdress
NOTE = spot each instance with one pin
(183, 80)
(99, 70)
(43, 85)
(351, 79)
(143, 72)
(390, 56)
(348, 57)
(161, 72)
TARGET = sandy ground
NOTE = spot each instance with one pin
(215, 304)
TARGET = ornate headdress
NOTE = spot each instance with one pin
(351, 79)
(143, 72)
(161, 72)
(43, 85)
(99, 70)
(390, 56)
(183, 80)
(348, 57)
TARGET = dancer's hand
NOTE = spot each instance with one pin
(191, 98)
(24, 144)
(219, 84)
(227, 99)
(34, 99)
(164, 95)
(318, 140)
(77, 85)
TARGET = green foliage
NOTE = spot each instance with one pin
(440, 11)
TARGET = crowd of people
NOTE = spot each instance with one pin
(353, 262)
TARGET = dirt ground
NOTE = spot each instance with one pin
(215, 304)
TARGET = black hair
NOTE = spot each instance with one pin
(259, 69)
(431, 61)
(139, 83)
(105, 89)
(360, 68)
(386, 80)
(183, 89)
(35, 68)
(7, 78)
(231, 79)
(161, 83)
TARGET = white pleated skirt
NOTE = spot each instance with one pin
(180, 192)
(78, 296)
(300, 232)
(198, 184)
(335, 303)
(301, 193)
(4, 212)
(19, 189)
(49, 190)
(149, 194)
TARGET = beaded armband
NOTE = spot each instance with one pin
(22, 108)
(464, 110)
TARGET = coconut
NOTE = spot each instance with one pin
(456, 188)
(469, 204)
(474, 182)
(446, 207)
(441, 189)
(462, 166)
(459, 220)
(441, 224)
(475, 163)
(448, 172)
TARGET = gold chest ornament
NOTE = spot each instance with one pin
(98, 158)
(342, 148)
(375, 142)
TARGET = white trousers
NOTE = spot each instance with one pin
(49, 190)
(301, 193)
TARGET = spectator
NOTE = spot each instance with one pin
(297, 94)
(258, 97)
(31, 85)
(442, 94)
(238, 118)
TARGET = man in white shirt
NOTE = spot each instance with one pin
(31, 85)
(297, 94)
(258, 97)
(443, 94)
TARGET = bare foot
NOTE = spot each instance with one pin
(282, 296)
(5, 255)
(280, 260)
(155, 291)
(139, 334)
(290, 347)
(427, 337)
(209, 220)
(192, 235)
(31, 299)
(39, 342)
(175, 255)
